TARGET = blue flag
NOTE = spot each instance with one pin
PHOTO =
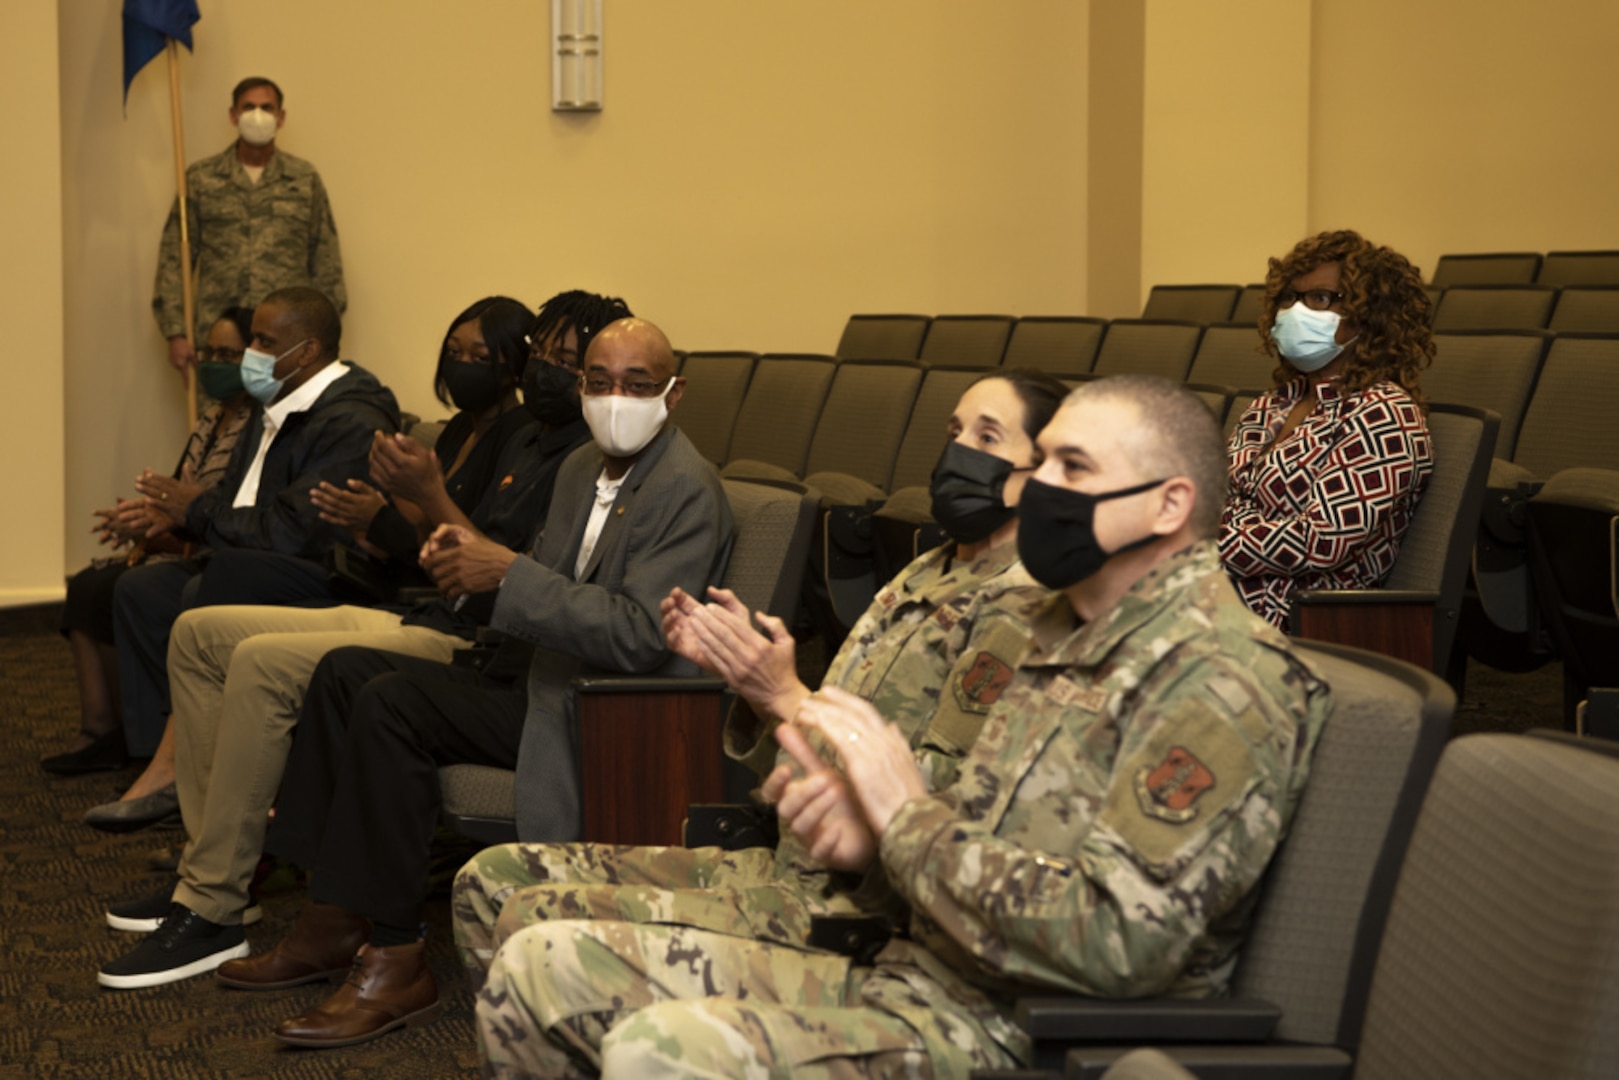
(148, 24)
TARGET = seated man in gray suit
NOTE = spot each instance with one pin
(633, 514)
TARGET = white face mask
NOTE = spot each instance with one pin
(257, 126)
(623, 425)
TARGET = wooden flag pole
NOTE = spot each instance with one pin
(190, 302)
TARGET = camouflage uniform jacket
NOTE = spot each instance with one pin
(899, 654)
(1113, 818)
(247, 239)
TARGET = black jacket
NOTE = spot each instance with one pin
(331, 440)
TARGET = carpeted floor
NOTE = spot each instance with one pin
(57, 876)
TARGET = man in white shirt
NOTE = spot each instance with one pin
(312, 421)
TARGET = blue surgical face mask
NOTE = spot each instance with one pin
(258, 372)
(1306, 337)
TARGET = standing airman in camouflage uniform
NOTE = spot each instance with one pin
(258, 220)
(955, 619)
(1105, 835)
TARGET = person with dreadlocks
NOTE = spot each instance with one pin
(238, 675)
(1327, 467)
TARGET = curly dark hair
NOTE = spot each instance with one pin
(1386, 302)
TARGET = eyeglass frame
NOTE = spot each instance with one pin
(652, 388)
(1332, 298)
(212, 353)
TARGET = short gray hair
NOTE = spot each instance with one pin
(1178, 437)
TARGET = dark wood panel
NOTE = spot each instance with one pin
(1403, 631)
(645, 758)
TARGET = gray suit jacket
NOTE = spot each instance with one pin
(670, 525)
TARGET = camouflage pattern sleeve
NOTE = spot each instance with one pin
(1114, 881)
(325, 256)
(168, 300)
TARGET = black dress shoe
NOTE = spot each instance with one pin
(104, 755)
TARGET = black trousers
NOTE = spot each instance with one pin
(360, 797)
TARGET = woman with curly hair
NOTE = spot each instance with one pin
(1327, 466)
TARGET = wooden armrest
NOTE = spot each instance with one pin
(649, 747)
(1394, 622)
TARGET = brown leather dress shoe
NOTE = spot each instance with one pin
(320, 945)
(388, 988)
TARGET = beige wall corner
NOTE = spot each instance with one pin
(1226, 144)
(31, 439)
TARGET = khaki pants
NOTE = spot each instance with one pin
(237, 677)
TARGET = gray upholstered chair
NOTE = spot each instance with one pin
(1495, 307)
(1579, 268)
(1584, 308)
(778, 415)
(967, 340)
(1303, 973)
(883, 337)
(1148, 347)
(674, 724)
(1499, 268)
(1193, 303)
(1415, 614)
(1499, 955)
(716, 383)
(1060, 345)
(1230, 355)
(1249, 306)
(1488, 369)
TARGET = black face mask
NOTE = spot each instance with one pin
(966, 488)
(551, 393)
(1056, 538)
(475, 388)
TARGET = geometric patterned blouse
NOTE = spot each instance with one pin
(1325, 508)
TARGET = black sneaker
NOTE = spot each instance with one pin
(185, 945)
(146, 914)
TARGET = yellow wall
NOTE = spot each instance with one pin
(31, 303)
(759, 173)
(1225, 153)
(763, 170)
(1466, 125)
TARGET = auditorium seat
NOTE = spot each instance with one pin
(674, 723)
(1216, 397)
(1499, 268)
(1414, 615)
(1580, 268)
(1435, 295)
(1250, 305)
(857, 435)
(1230, 355)
(1193, 303)
(1574, 563)
(778, 415)
(967, 340)
(1582, 308)
(883, 337)
(1495, 307)
(716, 383)
(1567, 424)
(1499, 954)
(1148, 347)
(1060, 345)
(1489, 369)
(1306, 967)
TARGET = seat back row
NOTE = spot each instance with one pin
(883, 421)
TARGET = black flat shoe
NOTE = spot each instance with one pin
(104, 755)
(159, 808)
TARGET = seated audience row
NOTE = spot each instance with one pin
(1059, 752)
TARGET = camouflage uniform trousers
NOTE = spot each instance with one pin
(749, 893)
(569, 998)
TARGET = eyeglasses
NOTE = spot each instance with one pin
(1314, 299)
(209, 354)
(637, 386)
